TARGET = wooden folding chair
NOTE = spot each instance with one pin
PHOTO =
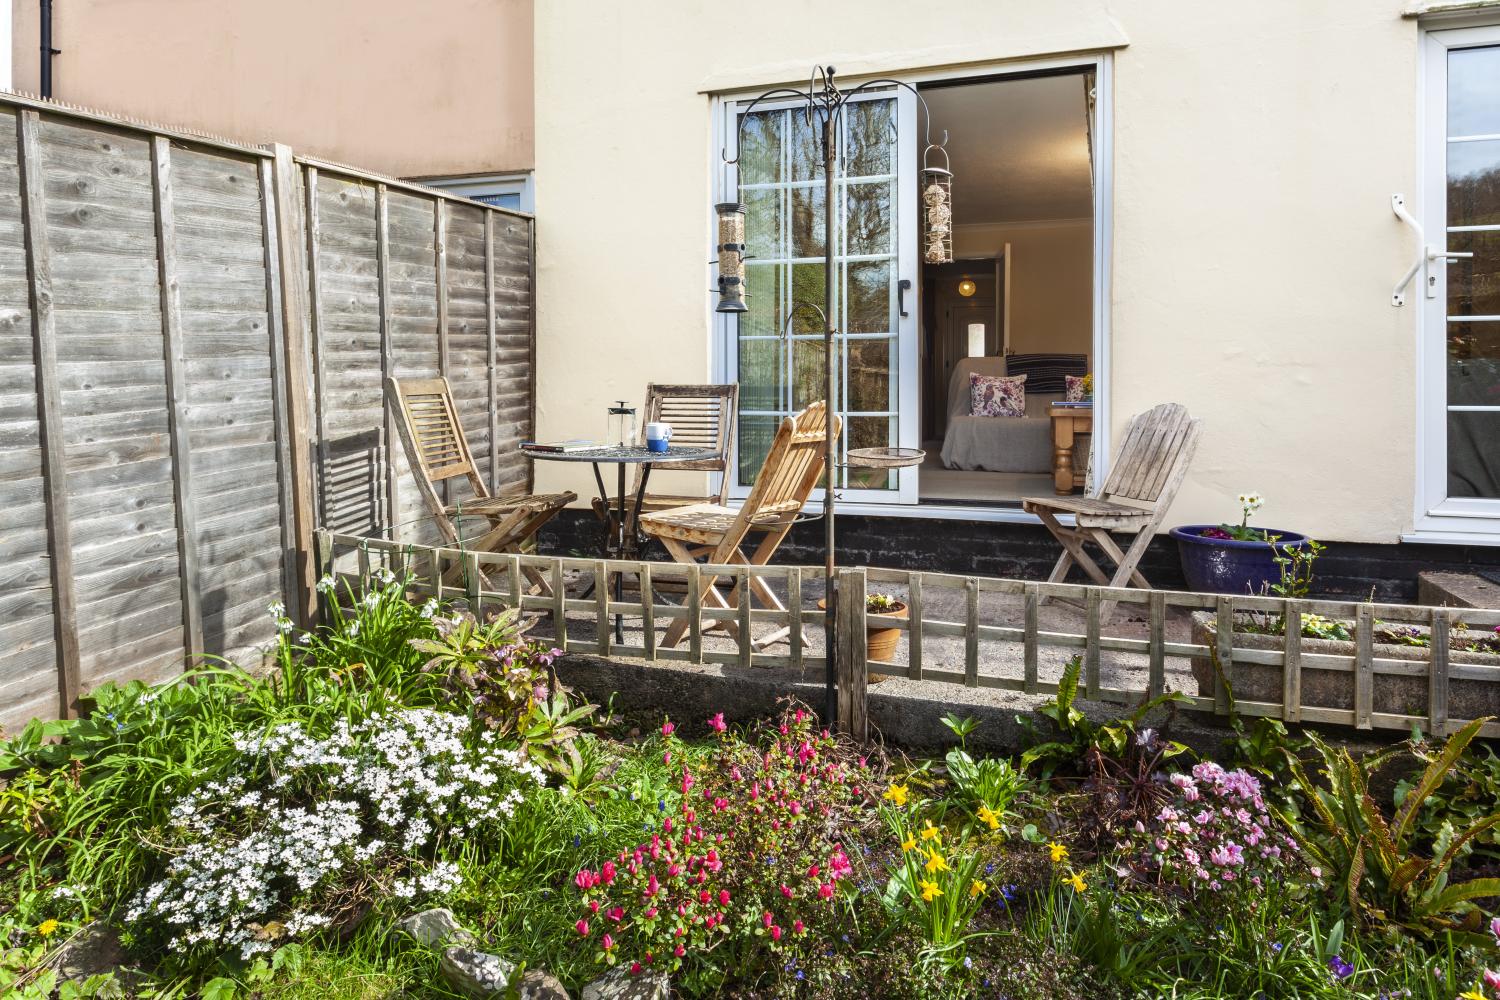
(702, 417)
(437, 450)
(790, 472)
(1149, 468)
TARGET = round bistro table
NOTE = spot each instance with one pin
(622, 539)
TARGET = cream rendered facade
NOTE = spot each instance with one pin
(408, 89)
(1251, 152)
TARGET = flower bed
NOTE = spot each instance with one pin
(232, 835)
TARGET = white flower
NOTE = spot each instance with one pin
(430, 608)
(277, 609)
(354, 628)
(326, 584)
(284, 626)
(371, 599)
(1251, 501)
(305, 638)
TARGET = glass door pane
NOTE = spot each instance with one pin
(776, 348)
(1472, 310)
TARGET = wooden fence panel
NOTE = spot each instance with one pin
(100, 220)
(514, 374)
(347, 324)
(193, 333)
(28, 652)
(233, 415)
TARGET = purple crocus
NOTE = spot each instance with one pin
(1341, 969)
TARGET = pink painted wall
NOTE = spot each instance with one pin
(410, 89)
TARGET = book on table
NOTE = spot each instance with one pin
(559, 447)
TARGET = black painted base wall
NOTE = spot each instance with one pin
(1025, 551)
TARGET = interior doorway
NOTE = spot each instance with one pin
(1017, 301)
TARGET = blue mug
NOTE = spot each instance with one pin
(658, 436)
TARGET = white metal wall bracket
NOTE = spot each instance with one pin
(1398, 205)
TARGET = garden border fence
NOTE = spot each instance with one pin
(456, 572)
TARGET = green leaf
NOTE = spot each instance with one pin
(1433, 777)
(219, 988)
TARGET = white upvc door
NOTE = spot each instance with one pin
(1459, 349)
(775, 351)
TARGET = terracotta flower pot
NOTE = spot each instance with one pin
(881, 640)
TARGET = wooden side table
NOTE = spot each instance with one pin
(1068, 424)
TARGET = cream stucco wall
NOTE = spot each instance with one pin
(1256, 147)
(411, 89)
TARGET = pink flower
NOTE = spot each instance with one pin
(812, 871)
(582, 927)
(825, 891)
(667, 728)
(717, 723)
(679, 951)
(649, 914)
(1495, 923)
(786, 891)
(635, 968)
(607, 942)
(798, 926)
(585, 880)
(767, 919)
(616, 914)
(775, 933)
(666, 758)
(607, 872)
(704, 896)
(723, 897)
(1492, 980)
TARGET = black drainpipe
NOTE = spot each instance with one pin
(47, 50)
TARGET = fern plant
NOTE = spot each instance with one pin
(1371, 859)
(1076, 733)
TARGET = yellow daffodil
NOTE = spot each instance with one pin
(935, 863)
(47, 928)
(976, 888)
(930, 890)
(987, 816)
(1077, 882)
(1471, 995)
(896, 794)
(1058, 851)
(929, 831)
(909, 844)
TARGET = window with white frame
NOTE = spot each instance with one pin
(501, 190)
(1459, 491)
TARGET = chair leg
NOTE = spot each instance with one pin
(707, 595)
(1125, 565)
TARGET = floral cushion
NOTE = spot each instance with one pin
(997, 395)
(1075, 390)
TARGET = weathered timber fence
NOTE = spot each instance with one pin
(488, 580)
(193, 338)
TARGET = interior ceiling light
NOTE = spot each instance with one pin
(966, 288)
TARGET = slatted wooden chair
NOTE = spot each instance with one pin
(702, 417)
(1143, 481)
(437, 451)
(720, 533)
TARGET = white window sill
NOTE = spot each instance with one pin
(1446, 536)
(1435, 8)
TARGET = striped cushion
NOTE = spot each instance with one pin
(1046, 372)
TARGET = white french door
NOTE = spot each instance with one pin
(775, 350)
(1459, 487)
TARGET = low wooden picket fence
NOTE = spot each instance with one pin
(492, 581)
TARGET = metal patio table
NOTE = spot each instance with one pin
(624, 541)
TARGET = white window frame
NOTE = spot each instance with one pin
(1438, 517)
(489, 185)
(1102, 65)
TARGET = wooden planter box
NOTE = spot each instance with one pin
(1399, 685)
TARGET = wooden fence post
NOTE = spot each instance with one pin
(291, 245)
(387, 361)
(849, 654)
(49, 415)
(175, 354)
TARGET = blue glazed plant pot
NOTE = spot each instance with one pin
(1228, 566)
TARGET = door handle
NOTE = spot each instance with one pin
(1436, 254)
(901, 287)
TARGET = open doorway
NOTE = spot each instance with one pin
(1017, 302)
